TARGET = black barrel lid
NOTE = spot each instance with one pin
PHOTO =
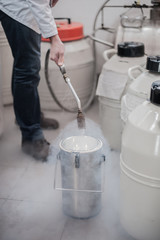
(153, 63)
(155, 93)
(131, 49)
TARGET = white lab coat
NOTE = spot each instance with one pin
(35, 14)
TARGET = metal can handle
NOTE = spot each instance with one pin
(77, 160)
(103, 159)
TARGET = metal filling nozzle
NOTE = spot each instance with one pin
(80, 116)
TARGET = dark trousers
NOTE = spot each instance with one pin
(25, 46)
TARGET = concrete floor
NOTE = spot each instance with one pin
(30, 209)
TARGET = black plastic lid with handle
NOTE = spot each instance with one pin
(155, 93)
(131, 49)
(153, 64)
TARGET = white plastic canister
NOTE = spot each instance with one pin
(139, 27)
(139, 90)
(1, 119)
(111, 87)
(140, 170)
(81, 170)
(79, 62)
(6, 62)
(1, 107)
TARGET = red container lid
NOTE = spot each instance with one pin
(68, 31)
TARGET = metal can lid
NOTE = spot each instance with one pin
(155, 93)
(131, 49)
(81, 144)
(153, 63)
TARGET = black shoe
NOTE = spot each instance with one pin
(48, 123)
(39, 149)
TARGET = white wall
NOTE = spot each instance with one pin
(84, 11)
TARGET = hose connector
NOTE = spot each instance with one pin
(63, 71)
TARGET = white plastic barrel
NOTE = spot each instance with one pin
(6, 61)
(81, 171)
(79, 62)
(146, 30)
(1, 107)
(140, 175)
(139, 90)
(109, 112)
(1, 119)
(112, 85)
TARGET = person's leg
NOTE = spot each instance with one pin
(25, 46)
(45, 123)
